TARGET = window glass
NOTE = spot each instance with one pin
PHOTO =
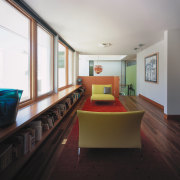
(61, 65)
(14, 50)
(45, 62)
(91, 68)
(70, 59)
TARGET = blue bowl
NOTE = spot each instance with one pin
(9, 101)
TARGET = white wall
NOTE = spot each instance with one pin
(167, 90)
(165, 70)
(173, 70)
(83, 67)
(111, 64)
(110, 68)
(154, 91)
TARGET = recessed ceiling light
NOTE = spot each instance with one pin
(141, 45)
(104, 44)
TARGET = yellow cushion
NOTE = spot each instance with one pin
(102, 97)
(99, 89)
(109, 129)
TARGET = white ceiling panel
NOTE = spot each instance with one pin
(123, 23)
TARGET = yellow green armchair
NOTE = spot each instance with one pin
(109, 129)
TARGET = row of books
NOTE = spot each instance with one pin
(16, 146)
(24, 141)
(81, 90)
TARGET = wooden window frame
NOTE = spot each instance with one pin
(33, 59)
(30, 100)
(68, 69)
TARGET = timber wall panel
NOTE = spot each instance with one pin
(87, 82)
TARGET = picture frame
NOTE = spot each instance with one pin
(151, 68)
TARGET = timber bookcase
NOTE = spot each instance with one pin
(29, 114)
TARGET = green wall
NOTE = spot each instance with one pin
(131, 76)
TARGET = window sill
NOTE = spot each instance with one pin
(31, 112)
(64, 87)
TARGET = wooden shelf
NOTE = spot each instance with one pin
(29, 113)
(43, 105)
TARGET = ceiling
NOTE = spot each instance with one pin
(123, 23)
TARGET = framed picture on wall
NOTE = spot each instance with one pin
(151, 68)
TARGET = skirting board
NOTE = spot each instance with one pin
(172, 117)
(152, 102)
(166, 116)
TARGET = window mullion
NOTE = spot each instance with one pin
(34, 60)
(67, 66)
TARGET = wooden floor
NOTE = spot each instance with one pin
(164, 134)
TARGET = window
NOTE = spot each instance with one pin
(26, 55)
(91, 68)
(61, 65)
(14, 50)
(70, 69)
(45, 62)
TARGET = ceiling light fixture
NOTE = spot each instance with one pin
(141, 45)
(104, 44)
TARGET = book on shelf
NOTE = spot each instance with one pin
(62, 108)
(38, 133)
(18, 143)
(81, 90)
(76, 95)
(72, 100)
(55, 113)
(44, 121)
(67, 106)
(37, 125)
(68, 101)
(45, 126)
(32, 139)
(5, 155)
(50, 122)
(25, 134)
(52, 114)
(58, 111)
